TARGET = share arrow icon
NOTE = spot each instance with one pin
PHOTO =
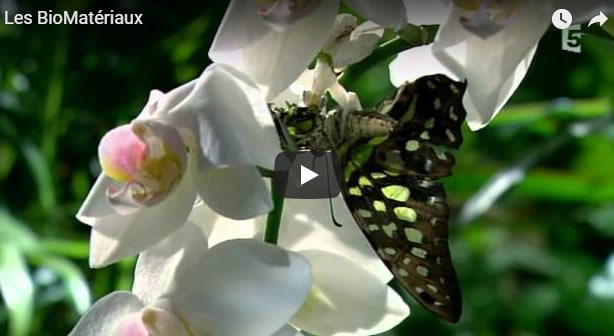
(601, 19)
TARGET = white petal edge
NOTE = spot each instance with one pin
(420, 12)
(116, 237)
(347, 300)
(219, 229)
(96, 203)
(242, 287)
(156, 267)
(307, 225)
(102, 317)
(237, 192)
(229, 119)
(389, 14)
(272, 59)
(414, 63)
(360, 45)
(288, 330)
(492, 75)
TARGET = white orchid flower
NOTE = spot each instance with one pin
(348, 44)
(202, 139)
(490, 44)
(275, 41)
(182, 288)
(350, 295)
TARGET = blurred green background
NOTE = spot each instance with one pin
(532, 194)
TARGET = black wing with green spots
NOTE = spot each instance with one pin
(391, 187)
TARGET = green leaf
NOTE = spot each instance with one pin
(608, 26)
(17, 289)
(74, 282)
(14, 232)
(7, 153)
(42, 174)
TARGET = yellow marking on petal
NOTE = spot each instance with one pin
(403, 273)
(432, 288)
(396, 192)
(373, 227)
(425, 135)
(406, 214)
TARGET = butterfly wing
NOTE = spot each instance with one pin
(391, 187)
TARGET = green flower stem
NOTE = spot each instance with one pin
(273, 221)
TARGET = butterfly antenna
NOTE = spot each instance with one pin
(330, 200)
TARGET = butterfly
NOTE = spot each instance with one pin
(393, 158)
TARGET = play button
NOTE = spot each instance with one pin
(307, 175)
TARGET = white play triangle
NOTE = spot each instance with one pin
(307, 175)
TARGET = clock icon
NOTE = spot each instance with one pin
(562, 18)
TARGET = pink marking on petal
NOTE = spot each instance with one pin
(121, 153)
(131, 326)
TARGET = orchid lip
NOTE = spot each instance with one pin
(281, 14)
(148, 157)
(488, 17)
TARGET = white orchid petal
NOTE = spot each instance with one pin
(323, 78)
(420, 12)
(122, 199)
(414, 63)
(220, 229)
(237, 192)
(348, 101)
(97, 203)
(156, 267)
(347, 300)
(389, 14)
(494, 66)
(282, 14)
(160, 319)
(152, 104)
(288, 330)
(272, 58)
(286, 97)
(115, 237)
(225, 103)
(361, 43)
(308, 225)
(473, 101)
(242, 287)
(103, 316)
